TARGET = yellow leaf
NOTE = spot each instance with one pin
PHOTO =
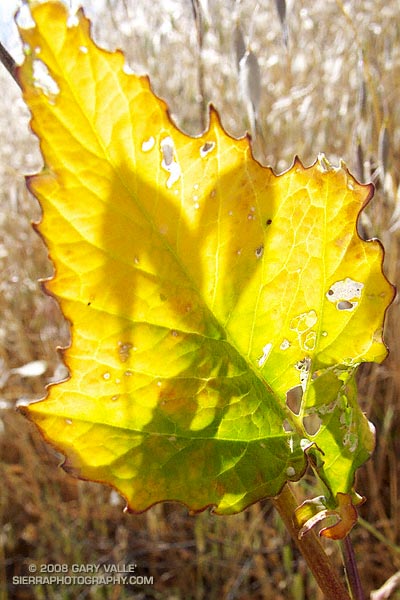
(200, 287)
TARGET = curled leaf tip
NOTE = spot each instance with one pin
(314, 512)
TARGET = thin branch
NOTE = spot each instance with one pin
(9, 63)
(351, 569)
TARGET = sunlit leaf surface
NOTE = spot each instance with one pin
(217, 311)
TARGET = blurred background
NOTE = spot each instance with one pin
(303, 78)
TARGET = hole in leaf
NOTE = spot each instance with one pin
(287, 426)
(312, 424)
(266, 352)
(302, 365)
(206, 148)
(268, 222)
(294, 397)
(148, 144)
(345, 290)
(345, 305)
(43, 80)
(285, 344)
(167, 149)
(168, 161)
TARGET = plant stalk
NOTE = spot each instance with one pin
(9, 63)
(351, 570)
(199, 22)
(311, 548)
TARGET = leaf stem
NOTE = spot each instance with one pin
(311, 548)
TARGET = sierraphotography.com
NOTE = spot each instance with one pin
(66, 580)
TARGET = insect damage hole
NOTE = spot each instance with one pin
(285, 344)
(168, 161)
(312, 423)
(345, 293)
(206, 148)
(43, 81)
(346, 305)
(148, 144)
(287, 427)
(294, 397)
(167, 149)
(266, 352)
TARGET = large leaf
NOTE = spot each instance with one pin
(217, 311)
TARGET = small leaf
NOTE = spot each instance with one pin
(201, 289)
(312, 512)
(347, 514)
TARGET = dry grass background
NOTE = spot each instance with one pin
(335, 89)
